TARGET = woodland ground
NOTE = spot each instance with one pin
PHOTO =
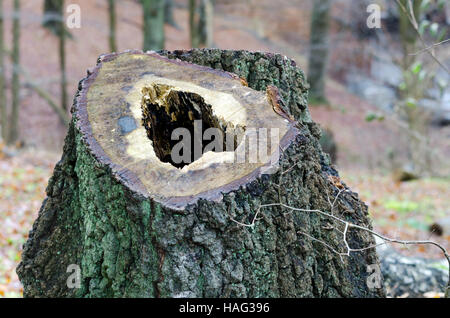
(401, 210)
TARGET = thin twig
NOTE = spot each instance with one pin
(347, 226)
(430, 47)
(412, 19)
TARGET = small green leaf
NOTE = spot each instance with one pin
(371, 117)
(411, 102)
(416, 67)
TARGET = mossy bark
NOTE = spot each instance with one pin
(130, 246)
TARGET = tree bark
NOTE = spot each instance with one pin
(14, 126)
(140, 227)
(318, 50)
(153, 11)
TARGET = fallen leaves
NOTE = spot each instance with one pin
(23, 179)
(336, 182)
(23, 182)
(404, 210)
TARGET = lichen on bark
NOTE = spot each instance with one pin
(128, 245)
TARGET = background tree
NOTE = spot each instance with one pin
(62, 33)
(318, 50)
(112, 25)
(52, 13)
(201, 13)
(418, 78)
(153, 11)
(408, 35)
(168, 13)
(54, 21)
(13, 132)
(3, 106)
(208, 29)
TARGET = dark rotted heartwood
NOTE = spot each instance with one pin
(130, 245)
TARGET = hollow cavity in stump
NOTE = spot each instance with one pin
(165, 109)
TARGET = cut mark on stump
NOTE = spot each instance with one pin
(165, 109)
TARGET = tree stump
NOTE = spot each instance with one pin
(137, 223)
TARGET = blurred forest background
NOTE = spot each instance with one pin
(381, 94)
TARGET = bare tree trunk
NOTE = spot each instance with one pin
(168, 13)
(318, 53)
(153, 11)
(3, 108)
(62, 59)
(408, 35)
(54, 20)
(112, 25)
(193, 32)
(52, 14)
(208, 27)
(416, 117)
(201, 15)
(13, 132)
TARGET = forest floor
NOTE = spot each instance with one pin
(401, 210)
